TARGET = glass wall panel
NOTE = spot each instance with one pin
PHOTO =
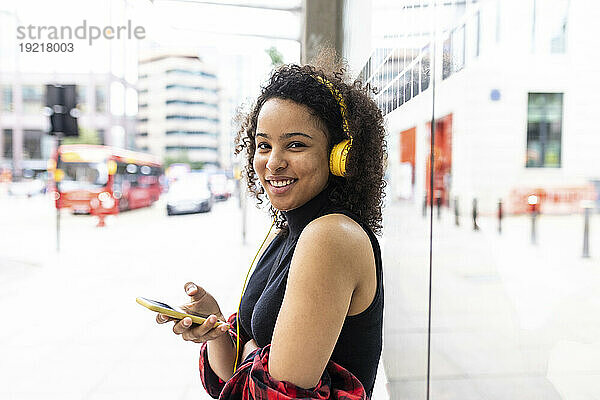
(491, 225)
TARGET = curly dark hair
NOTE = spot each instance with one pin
(361, 191)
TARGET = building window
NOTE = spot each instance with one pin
(181, 132)
(187, 87)
(549, 31)
(32, 144)
(183, 148)
(32, 98)
(101, 134)
(189, 72)
(186, 117)
(6, 102)
(544, 130)
(425, 69)
(81, 98)
(407, 85)
(401, 91)
(415, 79)
(100, 99)
(447, 58)
(7, 149)
(190, 102)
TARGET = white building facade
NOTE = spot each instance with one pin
(178, 108)
(516, 86)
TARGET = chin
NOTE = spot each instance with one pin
(281, 207)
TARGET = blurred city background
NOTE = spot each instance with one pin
(490, 110)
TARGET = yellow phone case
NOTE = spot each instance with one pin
(171, 312)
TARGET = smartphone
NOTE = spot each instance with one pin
(174, 312)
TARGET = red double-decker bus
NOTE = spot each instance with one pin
(102, 180)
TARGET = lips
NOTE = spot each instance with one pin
(280, 185)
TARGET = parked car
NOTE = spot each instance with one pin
(220, 187)
(29, 187)
(189, 194)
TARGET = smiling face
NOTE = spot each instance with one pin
(291, 157)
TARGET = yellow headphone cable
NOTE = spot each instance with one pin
(237, 346)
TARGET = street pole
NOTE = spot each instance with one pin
(475, 214)
(586, 230)
(500, 216)
(533, 227)
(456, 214)
(56, 182)
(534, 206)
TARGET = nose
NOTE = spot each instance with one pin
(276, 161)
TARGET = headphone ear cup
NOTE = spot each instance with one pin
(338, 157)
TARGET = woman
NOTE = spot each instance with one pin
(310, 320)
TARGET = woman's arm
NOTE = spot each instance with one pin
(221, 356)
(325, 271)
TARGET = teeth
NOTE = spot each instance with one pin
(281, 183)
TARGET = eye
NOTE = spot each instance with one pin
(295, 145)
(262, 146)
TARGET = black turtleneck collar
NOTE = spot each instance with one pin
(298, 218)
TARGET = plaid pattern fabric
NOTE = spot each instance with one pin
(211, 382)
(252, 380)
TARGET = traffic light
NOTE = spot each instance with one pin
(61, 103)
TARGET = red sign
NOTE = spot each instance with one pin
(560, 200)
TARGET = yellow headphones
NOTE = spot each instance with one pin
(339, 153)
(337, 166)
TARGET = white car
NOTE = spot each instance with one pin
(27, 187)
(189, 194)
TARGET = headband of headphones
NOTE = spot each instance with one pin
(340, 100)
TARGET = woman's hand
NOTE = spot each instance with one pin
(249, 347)
(201, 303)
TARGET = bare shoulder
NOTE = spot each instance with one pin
(337, 229)
(338, 237)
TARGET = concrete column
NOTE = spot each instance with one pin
(322, 25)
(17, 134)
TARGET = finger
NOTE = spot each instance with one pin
(194, 291)
(190, 288)
(197, 331)
(188, 335)
(162, 318)
(181, 326)
(197, 336)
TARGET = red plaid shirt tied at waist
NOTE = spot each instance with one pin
(252, 380)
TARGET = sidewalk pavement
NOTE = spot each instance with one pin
(509, 320)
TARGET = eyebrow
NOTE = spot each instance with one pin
(285, 135)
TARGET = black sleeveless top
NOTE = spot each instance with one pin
(358, 347)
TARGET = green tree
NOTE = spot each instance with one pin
(182, 158)
(275, 55)
(86, 136)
